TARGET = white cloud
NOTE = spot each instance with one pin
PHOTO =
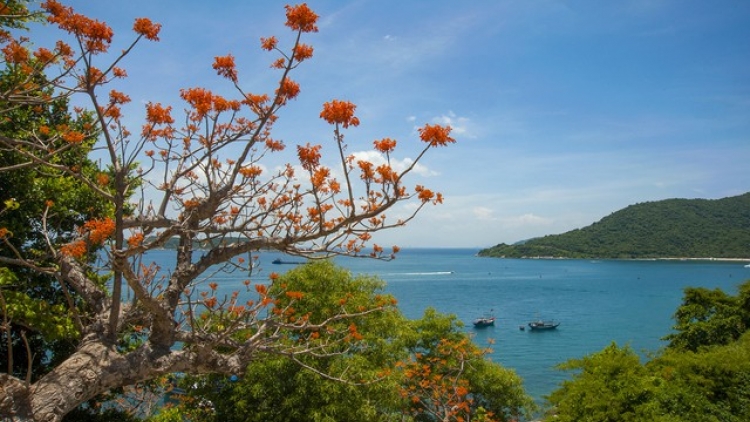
(483, 213)
(529, 220)
(377, 159)
(460, 125)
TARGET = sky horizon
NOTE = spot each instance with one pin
(563, 111)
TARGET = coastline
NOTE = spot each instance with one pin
(738, 260)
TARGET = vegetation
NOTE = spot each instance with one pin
(74, 231)
(702, 375)
(428, 369)
(673, 228)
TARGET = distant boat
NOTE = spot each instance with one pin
(540, 325)
(279, 261)
(747, 266)
(484, 321)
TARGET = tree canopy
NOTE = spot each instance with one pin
(79, 228)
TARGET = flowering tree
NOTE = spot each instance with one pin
(213, 193)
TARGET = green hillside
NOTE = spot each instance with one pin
(672, 228)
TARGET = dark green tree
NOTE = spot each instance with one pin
(710, 317)
(40, 205)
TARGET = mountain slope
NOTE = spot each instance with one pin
(689, 228)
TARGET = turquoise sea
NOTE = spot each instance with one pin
(596, 301)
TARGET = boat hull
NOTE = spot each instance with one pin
(484, 322)
(543, 326)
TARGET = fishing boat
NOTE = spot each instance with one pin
(484, 321)
(540, 325)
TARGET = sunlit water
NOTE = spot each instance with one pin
(596, 301)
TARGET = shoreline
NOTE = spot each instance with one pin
(739, 260)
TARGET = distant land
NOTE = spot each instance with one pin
(672, 228)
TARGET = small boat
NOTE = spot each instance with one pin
(279, 261)
(484, 321)
(540, 325)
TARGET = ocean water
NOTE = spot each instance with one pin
(597, 302)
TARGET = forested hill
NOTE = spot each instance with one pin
(672, 228)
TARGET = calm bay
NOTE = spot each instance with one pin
(595, 301)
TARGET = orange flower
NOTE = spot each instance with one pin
(309, 156)
(210, 302)
(436, 135)
(4, 232)
(251, 171)
(319, 176)
(15, 53)
(158, 115)
(279, 63)
(274, 145)
(288, 89)
(99, 229)
(224, 66)
(295, 295)
(385, 145)
(102, 179)
(424, 194)
(117, 97)
(199, 98)
(135, 240)
(150, 30)
(367, 169)
(96, 36)
(75, 249)
(387, 174)
(339, 112)
(301, 18)
(268, 43)
(303, 52)
(73, 137)
(44, 55)
(119, 72)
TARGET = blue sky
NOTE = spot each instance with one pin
(564, 111)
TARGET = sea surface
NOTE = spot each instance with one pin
(597, 302)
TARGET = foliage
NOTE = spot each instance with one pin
(700, 376)
(448, 377)
(213, 190)
(683, 228)
(710, 317)
(36, 309)
(613, 385)
(385, 363)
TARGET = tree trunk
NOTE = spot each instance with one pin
(14, 400)
(93, 369)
